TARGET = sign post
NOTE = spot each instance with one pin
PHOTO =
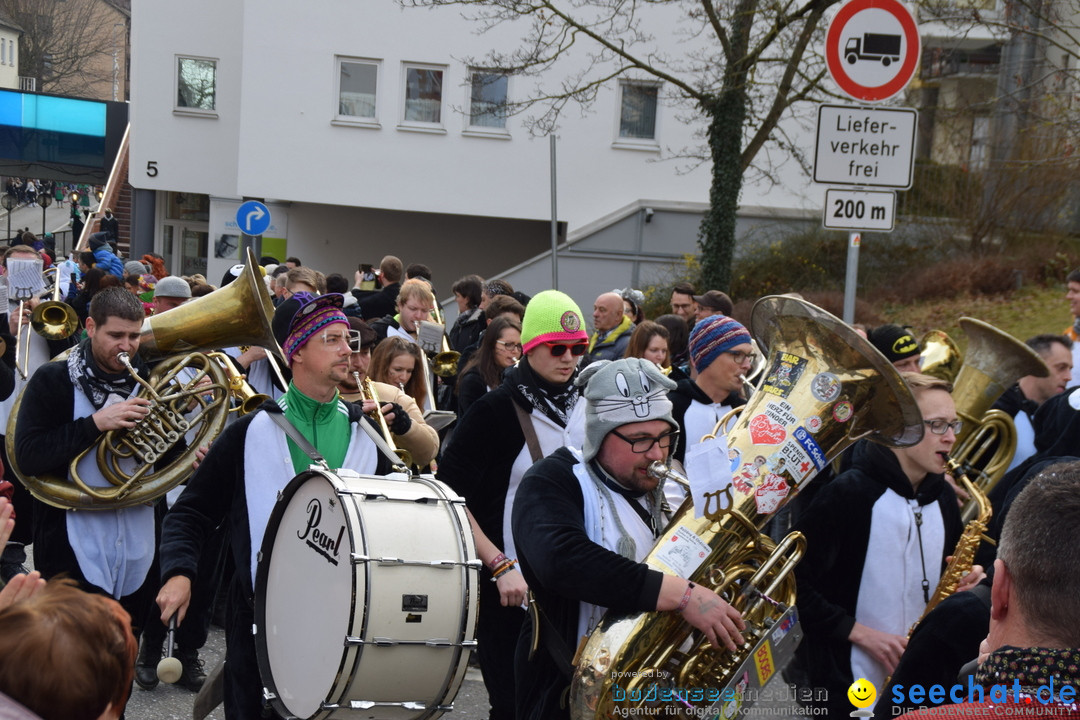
(253, 219)
(871, 51)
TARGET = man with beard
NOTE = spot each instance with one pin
(241, 476)
(532, 414)
(585, 519)
(403, 416)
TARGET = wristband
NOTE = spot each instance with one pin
(497, 561)
(686, 597)
(502, 570)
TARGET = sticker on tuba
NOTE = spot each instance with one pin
(784, 374)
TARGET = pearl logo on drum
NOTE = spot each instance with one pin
(321, 542)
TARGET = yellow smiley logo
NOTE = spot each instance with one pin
(862, 693)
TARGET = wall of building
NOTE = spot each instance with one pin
(9, 66)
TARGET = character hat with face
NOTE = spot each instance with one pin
(620, 392)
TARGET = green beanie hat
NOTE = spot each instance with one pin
(551, 316)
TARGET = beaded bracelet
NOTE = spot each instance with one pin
(686, 597)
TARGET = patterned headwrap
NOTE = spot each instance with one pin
(312, 317)
(712, 336)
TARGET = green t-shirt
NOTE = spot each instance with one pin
(324, 425)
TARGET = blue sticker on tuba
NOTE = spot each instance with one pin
(812, 448)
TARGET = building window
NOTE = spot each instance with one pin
(357, 84)
(487, 99)
(3, 51)
(637, 110)
(196, 84)
(423, 95)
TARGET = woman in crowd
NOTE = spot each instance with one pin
(499, 349)
(650, 342)
(678, 344)
(398, 362)
(468, 292)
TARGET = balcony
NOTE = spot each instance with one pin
(944, 63)
(27, 84)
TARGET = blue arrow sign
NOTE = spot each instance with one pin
(253, 218)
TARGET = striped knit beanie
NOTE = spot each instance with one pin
(310, 318)
(551, 316)
(712, 336)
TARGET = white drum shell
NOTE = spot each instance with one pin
(366, 597)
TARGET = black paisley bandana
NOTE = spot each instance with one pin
(1032, 667)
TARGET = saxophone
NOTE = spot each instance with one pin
(964, 553)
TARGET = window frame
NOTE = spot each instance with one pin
(421, 125)
(356, 120)
(485, 130)
(193, 111)
(630, 143)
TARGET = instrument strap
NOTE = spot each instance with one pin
(297, 437)
(552, 640)
(530, 433)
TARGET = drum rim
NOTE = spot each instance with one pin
(261, 571)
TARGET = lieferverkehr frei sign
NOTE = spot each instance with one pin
(868, 146)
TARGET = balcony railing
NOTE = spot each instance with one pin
(943, 62)
(27, 84)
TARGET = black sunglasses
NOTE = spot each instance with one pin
(558, 349)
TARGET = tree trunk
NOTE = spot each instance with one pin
(716, 238)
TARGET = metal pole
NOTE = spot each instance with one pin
(554, 223)
(851, 280)
(43, 207)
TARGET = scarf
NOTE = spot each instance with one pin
(611, 335)
(530, 390)
(626, 546)
(97, 384)
(1033, 667)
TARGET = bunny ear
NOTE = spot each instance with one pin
(590, 370)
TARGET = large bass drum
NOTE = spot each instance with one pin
(365, 597)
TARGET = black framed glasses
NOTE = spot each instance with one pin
(645, 444)
(742, 356)
(558, 349)
(940, 427)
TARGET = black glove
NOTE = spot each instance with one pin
(402, 422)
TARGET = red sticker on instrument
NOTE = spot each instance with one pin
(764, 431)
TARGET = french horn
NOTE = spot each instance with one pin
(824, 387)
(189, 395)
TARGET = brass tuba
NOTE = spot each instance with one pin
(188, 394)
(823, 388)
(993, 363)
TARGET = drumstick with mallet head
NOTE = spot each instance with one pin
(169, 669)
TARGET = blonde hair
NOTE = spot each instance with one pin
(415, 289)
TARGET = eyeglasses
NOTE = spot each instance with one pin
(511, 346)
(558, 349)
(645, 444)
(336, 339)
(742, 356)
(354, 341)
(940, 427)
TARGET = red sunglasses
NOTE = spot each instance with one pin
(558, 349)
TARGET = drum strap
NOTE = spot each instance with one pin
(530, 433)
(298, 438)
(544, 631)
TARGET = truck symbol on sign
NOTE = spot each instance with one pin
(873, 46)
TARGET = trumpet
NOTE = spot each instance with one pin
(367, 389)
(445, 362)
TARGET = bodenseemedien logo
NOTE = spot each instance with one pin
(862, 695)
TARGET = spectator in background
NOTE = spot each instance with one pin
(500, 349)
(91, 286)
(649, 341)
(336, 283)
(682, 302)
(418, 270)
(678, 340)
(713, 302)
(898, 346)
(1072, 294)
(293, 262)
(379, 303)
(170, 292)
(494, 288)
(470, 320)
(612, 329)
(633, 302)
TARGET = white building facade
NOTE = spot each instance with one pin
(366, 133)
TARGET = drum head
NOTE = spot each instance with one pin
(305, 593)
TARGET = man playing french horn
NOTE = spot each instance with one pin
(584, 519)
(67, 406)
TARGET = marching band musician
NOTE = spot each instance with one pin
(66, 408)
(583, 520)
(533, 413)
(240, 477)
(40, 351)
(720, 354)
(877, 538)
(403, 415)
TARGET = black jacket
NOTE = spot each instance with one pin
(375, 304)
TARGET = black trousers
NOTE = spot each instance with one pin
(497, 634)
